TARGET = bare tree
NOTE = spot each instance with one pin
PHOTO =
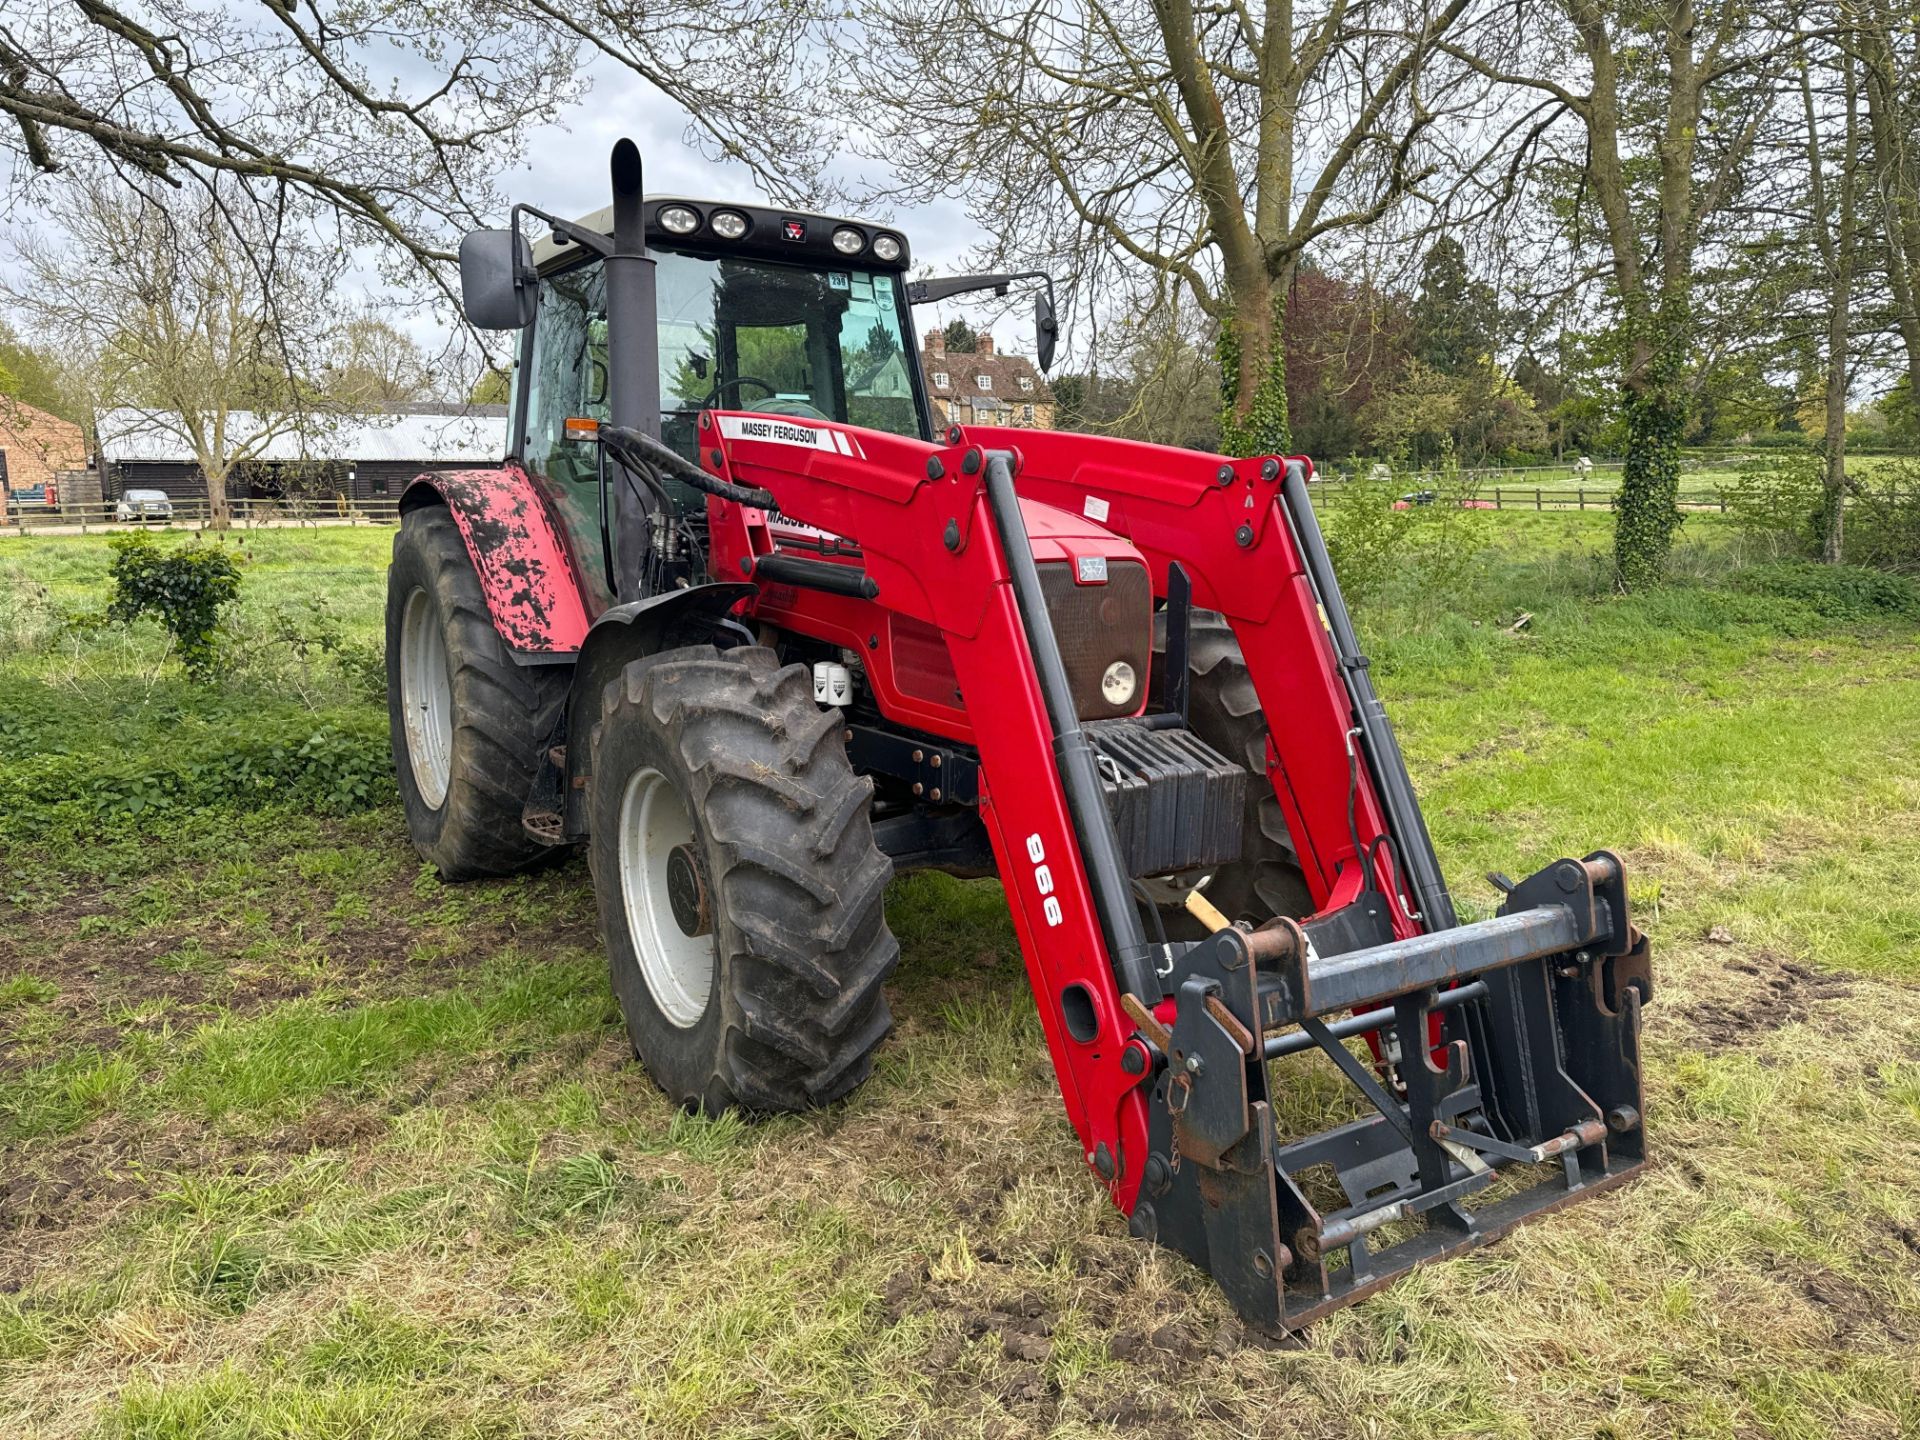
(203, 325)
(1161, 147)
(1887, 38)
(374, 364)
(1834, 212)
(396, 117)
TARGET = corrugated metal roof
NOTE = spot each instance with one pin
(128, 435)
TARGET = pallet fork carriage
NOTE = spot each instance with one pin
(979, 611)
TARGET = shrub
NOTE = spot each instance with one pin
(1836, 592)
(1883, 519)
(1369, 541)
(185, 588)
(1778, 498)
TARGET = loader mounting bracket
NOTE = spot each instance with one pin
(1509, 1043)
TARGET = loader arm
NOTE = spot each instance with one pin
(1507, 1047)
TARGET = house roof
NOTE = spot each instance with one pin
(476, 432)
(24, 420)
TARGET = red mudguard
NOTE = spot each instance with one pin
(532, 587)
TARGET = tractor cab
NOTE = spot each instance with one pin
(756, 309)
(778, 311)
(729, 307)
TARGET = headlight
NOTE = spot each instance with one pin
(679, 220)
(1118, 684)
(728, 224)
(885, 247)
(849, 241)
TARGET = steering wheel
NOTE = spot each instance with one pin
(722, 386)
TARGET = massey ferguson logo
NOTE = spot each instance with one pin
(794, 230)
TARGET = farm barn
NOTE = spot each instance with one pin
(359, 456)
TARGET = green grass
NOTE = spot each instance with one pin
(297, 1141)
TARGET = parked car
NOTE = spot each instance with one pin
(1427, 497)
(144, 505)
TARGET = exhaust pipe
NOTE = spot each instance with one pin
(633, 371)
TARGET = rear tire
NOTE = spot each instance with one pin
(1224, 711)
(740, 892)
(468, 723)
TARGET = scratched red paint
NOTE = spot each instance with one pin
(525, 572)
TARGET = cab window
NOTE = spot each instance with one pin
(568, 373)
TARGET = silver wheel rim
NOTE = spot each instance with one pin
(426, 699)
(677, 967)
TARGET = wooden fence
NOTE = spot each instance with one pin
(194, 515)
(1510, 497)
(1507, 498)
(384, 510)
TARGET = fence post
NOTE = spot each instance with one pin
(1496, 497)
(1583, 497)
(1536, 499)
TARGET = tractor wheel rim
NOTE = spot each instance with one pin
(426, 698)
(677, 967)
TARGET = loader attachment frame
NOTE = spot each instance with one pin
(1501, 1075)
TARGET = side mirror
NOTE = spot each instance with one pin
(496, 279)
(1046, 328)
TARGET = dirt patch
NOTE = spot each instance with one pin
(250, 950)
(1855, 1312)
(329, 1127)
(77, 1183)
(1750, 996)
(51, 1187)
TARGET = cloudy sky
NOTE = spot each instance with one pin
(566, 173)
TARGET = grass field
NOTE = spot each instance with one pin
(295, 1140)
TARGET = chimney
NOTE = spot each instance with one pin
(985, 345)
(937, 342)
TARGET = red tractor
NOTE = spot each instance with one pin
(736, 618)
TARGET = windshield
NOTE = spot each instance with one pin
(755, 335)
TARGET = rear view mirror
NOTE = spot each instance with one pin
(496, 280)
(1046, 328)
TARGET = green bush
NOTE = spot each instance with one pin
(1883, 519)
(334, 766)
(184, 587)
(1370, 542)
(1836, 592)
(1778, 498)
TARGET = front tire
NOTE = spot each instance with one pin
(739, 888)
(467, 722)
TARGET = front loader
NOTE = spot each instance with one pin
(737, 618)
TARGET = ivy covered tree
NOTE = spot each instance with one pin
(1635, 149)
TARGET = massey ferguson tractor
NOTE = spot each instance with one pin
(740, 619)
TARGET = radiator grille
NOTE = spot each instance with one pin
(1096, 625)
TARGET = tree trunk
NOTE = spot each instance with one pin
(1898, 183)
(219, 511)
(1834, 228)
(1840, 298)
(1253, 371)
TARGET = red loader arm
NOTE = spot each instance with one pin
(1162, 1052)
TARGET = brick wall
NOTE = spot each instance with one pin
(37, 446)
